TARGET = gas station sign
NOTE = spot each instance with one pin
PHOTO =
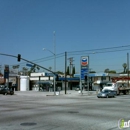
(84, 67)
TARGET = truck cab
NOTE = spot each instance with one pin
(111, 86)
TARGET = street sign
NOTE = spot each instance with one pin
(29, 65)
(49, 74)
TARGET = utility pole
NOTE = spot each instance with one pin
(71, 65)
(71, 69)
(54, 62)
(65, 69)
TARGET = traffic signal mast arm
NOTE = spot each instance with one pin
(19, 58)
(39, 66)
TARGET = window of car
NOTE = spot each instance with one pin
(105, 91)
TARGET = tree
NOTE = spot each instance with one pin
(112, 71)
(25, 71)
(124, 66)
(33, 69)
(92, 71)
(106, 70)
(109, 71)
(59, 72)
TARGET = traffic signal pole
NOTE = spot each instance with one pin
(20, 58)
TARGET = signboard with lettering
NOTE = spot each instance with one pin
(84, 63)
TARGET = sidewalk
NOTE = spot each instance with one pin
(61, 93)
(73, 92)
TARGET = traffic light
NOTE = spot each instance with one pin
(19, 57)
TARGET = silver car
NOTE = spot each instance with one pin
(106, 94)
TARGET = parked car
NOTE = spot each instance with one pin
(106, 94)
(5, 90)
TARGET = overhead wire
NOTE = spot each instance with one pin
(103, 50)
(90, 51)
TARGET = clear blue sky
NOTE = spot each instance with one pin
(26, 26)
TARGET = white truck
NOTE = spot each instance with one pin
(119, 87)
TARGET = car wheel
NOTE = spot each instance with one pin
(107, 96)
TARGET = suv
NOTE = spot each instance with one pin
(5, 90)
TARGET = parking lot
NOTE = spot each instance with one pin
(42, 111)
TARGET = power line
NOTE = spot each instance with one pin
(93, 50)
(81, 53)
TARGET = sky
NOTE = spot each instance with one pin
(28, 26)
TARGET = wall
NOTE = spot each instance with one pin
(24, 83)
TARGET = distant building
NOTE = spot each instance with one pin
(1, 79)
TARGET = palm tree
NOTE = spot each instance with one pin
(33, 69)
(124, 66)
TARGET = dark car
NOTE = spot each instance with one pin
(106, 94)
(5, 90)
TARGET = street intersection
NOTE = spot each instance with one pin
(34, 110)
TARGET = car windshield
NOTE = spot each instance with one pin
(106, 91)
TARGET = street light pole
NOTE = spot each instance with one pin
(54, 78)
(54, 53)
(54, 75)
(54, 63)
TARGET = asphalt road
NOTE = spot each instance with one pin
(36, 111)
